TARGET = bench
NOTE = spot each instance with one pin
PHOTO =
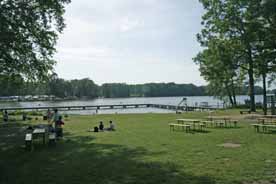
(29, 141)
(245, 111)
(187, 127)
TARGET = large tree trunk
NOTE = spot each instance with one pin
(264, 94)
(229, 95)
(251, 82)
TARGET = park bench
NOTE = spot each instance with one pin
(186, 126)
(28, 141)
(245, 111)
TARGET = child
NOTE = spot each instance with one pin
(58, 125)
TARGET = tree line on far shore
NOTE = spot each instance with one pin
(16, 86)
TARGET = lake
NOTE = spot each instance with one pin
(191, 101)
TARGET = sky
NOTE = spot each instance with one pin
(130, 41)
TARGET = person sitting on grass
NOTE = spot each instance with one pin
(101, 126)
(111, 126)
(59, 130)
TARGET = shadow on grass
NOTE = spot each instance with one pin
(225, 128)
(192, 131)
(80, 160)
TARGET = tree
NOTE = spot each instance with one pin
(218, 66)
(241, 22)
(28, 34)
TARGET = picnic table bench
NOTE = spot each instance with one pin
(173, 125)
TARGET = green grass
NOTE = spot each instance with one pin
(142, 150)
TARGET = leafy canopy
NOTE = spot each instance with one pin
(28, 33)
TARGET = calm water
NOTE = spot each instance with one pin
(191, 101)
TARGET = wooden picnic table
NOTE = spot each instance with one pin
(264, 127)
(269, 116)
(193, 122)
(221, 120)
(266, 120)
(40, 132)
(188, 120)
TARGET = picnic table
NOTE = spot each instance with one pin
(221, 121)
(269, 116)
(194, 122)
(266, 120)
(40, 132)
(264, 127)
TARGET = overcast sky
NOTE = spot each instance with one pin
(132, 41)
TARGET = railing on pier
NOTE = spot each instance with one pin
(118, 106)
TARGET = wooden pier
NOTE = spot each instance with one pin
(105, 107)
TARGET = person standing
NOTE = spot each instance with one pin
(5, 116)
(59, 130)
(56, 117)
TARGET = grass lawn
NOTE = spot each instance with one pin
(142, 150)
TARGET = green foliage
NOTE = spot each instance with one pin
(247, 31)
(28, 34)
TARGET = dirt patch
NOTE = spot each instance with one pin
(230, 145)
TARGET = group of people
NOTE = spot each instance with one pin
(55, 122)
(102, 128)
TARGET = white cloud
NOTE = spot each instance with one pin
(127, 24)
